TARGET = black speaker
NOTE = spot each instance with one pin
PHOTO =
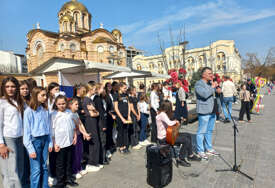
(159, 165)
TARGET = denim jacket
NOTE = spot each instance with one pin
(205, 97)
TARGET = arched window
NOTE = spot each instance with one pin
(65, 27)
(100, 49)
(62, 47)
(39, 51)
(76, 17)
(73, 47)
(138, 67)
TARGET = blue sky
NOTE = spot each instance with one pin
(251, 23)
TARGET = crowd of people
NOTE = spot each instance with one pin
(49, 139)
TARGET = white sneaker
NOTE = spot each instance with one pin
(142, 143)
(83, 172)
(52, 181)
(147, 142)
(203, 156)
(90, 168)
(100, 166)
(78, 176)
(212, 152)
(137, 147)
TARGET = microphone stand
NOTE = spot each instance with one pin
(235, 168)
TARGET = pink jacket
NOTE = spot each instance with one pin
(163, 122)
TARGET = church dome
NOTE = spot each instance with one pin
(74, 5)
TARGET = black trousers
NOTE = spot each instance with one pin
(52, 164)
(245, 108)
(93, 150)
(109, 133)
(122, 134)
(183, 139)
(103, 147)
(133, 131)
(154, 132)
(64, 165)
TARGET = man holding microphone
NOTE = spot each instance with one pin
(206, 108)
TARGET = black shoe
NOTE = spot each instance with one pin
(194, 158)
(183, 163)
(226, 120)
(106, 162)
(127, 151)
(71, 183)
(59, 185)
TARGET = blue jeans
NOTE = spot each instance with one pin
(205, 131)
(143, 122)
(227, 101)
(39, 170)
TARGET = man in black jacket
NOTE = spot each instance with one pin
(253, 92)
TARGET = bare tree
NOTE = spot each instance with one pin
(253, 65)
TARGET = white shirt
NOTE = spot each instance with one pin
(63, 128)
(50, 105)
(143, 107)
(228, 89)
(11, 123)
(167, 94)
(154, 99)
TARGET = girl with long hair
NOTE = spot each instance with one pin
(155, 101)
(101, 107)
(64, 137)
(91, 147)
(144, 109)
(37, 136)
(81, 133)
(122, 109)
(52, 89)
(183, 139)
(135, 116)
(11, 133)
(25, 91)
(110, 145)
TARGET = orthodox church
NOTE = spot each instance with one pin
(77, 53)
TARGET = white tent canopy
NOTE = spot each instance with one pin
(135, 74)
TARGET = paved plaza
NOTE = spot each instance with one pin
(255, 150)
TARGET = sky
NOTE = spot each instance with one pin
(144, 23)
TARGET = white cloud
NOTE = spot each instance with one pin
(199, 18)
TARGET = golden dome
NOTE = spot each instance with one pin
(116, 32)
(74, 5)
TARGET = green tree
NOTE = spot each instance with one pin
(196, 76)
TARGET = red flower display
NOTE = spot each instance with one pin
(174, 76)
(182, 71)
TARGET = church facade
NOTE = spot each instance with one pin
(75, 46)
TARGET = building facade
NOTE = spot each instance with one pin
(12, 63)
(75, 41)
(222, 56)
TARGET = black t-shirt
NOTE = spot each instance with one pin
(80, 108)
(122, 100)
(134, 101)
